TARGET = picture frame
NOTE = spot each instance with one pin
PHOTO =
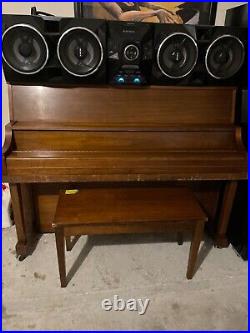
(202, 13)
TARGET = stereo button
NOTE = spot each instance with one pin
(120, 79)
(137, 80)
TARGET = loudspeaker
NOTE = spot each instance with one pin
(199, 55)
(225, 52)
(52, 50)
(175, 54)
(129, 53)
(81, 50)
(59, 51)
(237, 16)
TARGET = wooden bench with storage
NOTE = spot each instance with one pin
(127, 210)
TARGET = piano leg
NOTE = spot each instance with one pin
(23, 210)
(225, 212)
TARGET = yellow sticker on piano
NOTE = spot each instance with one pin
(71, 191)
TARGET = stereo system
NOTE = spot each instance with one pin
(51, 50)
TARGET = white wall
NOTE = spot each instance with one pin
(66, 9)
(221, 10)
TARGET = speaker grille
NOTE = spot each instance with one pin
(224, 57)
(177, 55)
(24, 49)
(80, 51)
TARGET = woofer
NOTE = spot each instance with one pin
(177, 55)
(24, 49)
(224, 57)
(80, 51)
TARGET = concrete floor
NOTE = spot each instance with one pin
(131, 267)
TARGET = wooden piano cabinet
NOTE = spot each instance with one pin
(101, 106)
(68, 137)
(25, 218)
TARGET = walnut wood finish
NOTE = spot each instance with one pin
(173, 153)
(7, 147)
(46, 197)
(136, 141)
(105, 105)
(228, 199)
(24, 215)
(194, 248)
(60, 246)
(15, 192)
(76, 136)
(127, 205)
(126, 210)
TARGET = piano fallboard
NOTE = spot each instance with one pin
(59, 152)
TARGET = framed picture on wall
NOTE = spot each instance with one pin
(162, 12)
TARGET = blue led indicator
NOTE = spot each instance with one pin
(120, 80)
(137, 80)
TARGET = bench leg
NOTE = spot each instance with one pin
(179, 238)
(70, 242)
(194, 248)
(60, 246)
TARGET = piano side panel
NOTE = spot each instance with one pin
(105, 105)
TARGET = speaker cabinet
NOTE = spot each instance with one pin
(224, 52)
(81, 50)
(129, 52)
(27, 49)
(199, 55)
(51, 50)
(237, 16)
(58, 51)
(175, 54)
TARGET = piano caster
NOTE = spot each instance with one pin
(20, 257)
(23, 250)
(221, 242)
(180, 238)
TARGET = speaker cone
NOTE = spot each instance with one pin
(80, 51)
(24, 49)
(224, 57)
(177, 55)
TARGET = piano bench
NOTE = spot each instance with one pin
(127, 210)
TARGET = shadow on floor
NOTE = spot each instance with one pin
(100, 240)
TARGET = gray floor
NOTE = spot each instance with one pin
(130, 267)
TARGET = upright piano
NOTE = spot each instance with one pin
(77, 137)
